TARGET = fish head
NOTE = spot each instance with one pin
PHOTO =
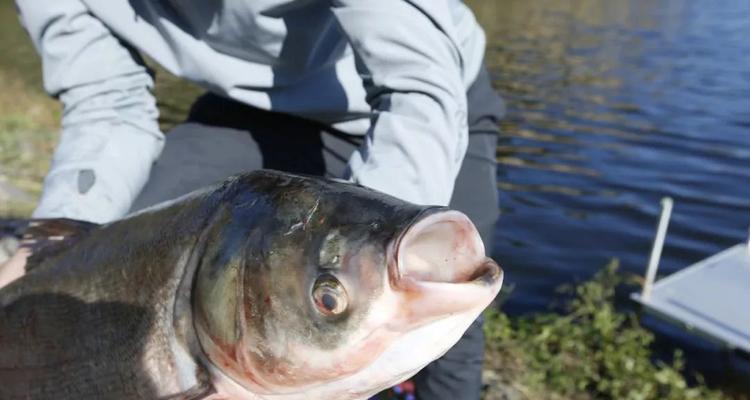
(319, 289)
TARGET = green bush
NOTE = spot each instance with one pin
(591, 352)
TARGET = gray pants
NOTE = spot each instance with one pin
(222, 137)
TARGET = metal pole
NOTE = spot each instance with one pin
(653, 261)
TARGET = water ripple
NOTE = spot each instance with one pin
(612, 105)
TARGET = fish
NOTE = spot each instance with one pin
(267, 285)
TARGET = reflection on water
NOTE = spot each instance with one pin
(613, 104)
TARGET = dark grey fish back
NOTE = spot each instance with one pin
(49, 237)
(81, 325)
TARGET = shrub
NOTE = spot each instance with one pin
(590, 352)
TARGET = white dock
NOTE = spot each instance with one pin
(710, 297)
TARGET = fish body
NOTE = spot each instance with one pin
(267, 286)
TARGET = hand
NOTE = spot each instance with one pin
(14, 267)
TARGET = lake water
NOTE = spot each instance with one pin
(611, 105)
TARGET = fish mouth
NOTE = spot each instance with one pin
(442, 247)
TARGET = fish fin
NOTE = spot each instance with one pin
(47, 237)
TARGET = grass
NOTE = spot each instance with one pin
(28, 132)
(29, 119)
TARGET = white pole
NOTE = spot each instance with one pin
(653, 261)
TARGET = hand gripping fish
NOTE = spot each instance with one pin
(267, 286)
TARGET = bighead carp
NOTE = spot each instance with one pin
(267, 286)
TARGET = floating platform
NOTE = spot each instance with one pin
(710, 298)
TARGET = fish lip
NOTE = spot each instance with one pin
(489, 272)
(484, 271)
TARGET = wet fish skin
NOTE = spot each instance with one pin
(214, 296)
(312, 226)
(84, 323)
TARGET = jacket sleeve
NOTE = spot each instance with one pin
(411, 67)
(110, 135)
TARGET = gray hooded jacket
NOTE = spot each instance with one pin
(395, 70)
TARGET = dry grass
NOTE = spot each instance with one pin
(29, 122)
(29, 119)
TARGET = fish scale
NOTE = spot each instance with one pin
(73, 328)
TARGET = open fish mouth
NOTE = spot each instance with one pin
(442, 248)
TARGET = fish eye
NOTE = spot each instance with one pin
(329, 296)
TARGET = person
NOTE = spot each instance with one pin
(390, 94)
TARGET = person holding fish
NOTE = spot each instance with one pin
(389, 94)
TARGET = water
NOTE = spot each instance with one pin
(613, 105)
